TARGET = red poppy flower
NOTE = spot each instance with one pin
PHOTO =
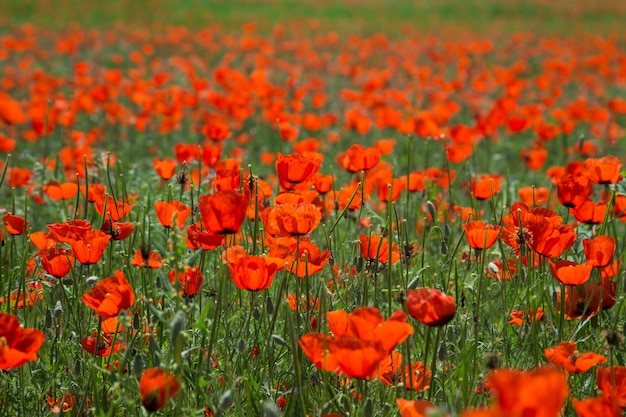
(101, 346)
(605, 170)
(165, 168)
(570, 273)
(295, 169)
(533, 196)
(352, 196)
(358, 158)
(359, 343)
(430, 307)
(481, 235)
(22, 298)
(376, 249)
(541, 392)
(486, 186)
(252, 273)
(599, 250)
(63, 404)
(323, 183)
(190, 280)
(572, 190)
(290, 220)
(118, 230)
(112, 209)
(310, 259)
(397, 185)
(57, 261)
(197, 239)
(417, 408)
(589, 212)
(15, 225)
(151, 259)
(110, 296)
(357, 358)
(566, 356)
(519, 317)
(596, 406)
(156, 387)
(89, 248)
(223, 212)
(390, 373)
(588, 299)
(167, 210)
(60, 191)
(612, 382)
(17, 345)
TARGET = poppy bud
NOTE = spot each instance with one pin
(270, 409)
(432, 212)
(256, 314)
(58, 309)
(492, 360)
(442, 353)
(176, 326)
(444, 247)
(241, 346)
(279, 340)
(226, 401)
(138, 365)
(269, 306)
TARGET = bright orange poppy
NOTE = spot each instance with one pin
(541, 392)
(197, 239)
(290, 220)
(572, 190)
(13, 224)
(156, 387)
(590, 212)
(118, 230)
(481, 235)
(60, 191)
(566, 356)
(110, 296)
(190, 280)
(605, 170)
(310, 259)
(430, 306)
(63, 404)
(90, 246)
(166, 211)
(252, 273)
(486, 186)
(57, 261)
(112, 209)
(104, 345)
(295, 169)
(17, 345)
(165, 167)
(223, 212)
(612, 382)
(147, 259)
(596, 406)
(417, 408)
(376, 249)
(570, 273)
(599, 250)
(519, 317)
(358, 158)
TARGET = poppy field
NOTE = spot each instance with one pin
(299, 221)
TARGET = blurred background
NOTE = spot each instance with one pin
(393, 17)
